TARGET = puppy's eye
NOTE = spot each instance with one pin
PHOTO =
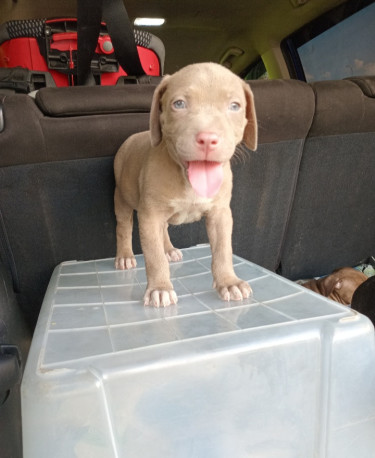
(179, 104)
(234, 106)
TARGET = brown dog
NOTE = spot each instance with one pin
(180, 171)
(339, 285)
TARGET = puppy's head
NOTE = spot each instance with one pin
(202, 112)
(342, 283)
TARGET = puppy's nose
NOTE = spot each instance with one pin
(207, 141)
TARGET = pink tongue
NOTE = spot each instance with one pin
(205, 177)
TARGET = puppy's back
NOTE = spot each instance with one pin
(128, 165)
(131, 153)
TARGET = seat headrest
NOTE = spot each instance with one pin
(95, 100)
(366, 83)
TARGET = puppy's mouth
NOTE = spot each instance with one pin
(205, 177)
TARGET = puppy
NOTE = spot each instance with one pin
(180, 171)
(340, 285)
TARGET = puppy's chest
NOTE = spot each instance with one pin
(189, 210)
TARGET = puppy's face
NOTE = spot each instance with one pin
(203, 98)
(201, 113)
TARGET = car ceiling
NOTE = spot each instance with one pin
(237, 31)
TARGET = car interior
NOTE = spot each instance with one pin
(302, 203)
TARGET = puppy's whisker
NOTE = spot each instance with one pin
(241, 154)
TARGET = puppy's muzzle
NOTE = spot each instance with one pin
(207, 143)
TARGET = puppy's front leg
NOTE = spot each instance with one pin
(159, 290)
(173, 254)
(219, 225)
(124, 215)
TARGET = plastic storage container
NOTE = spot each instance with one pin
(287, 374)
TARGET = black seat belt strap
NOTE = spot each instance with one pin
(89, 17)
(121, 32)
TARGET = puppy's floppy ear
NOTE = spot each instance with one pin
(250, 136)
(330, 283)
(155, 125)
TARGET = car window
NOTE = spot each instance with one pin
(325, 52)
(256, 71)
(351, 49)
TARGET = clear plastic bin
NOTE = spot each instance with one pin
(286, 374)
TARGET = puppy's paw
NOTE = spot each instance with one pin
(125, 263)
(174, 255)
(160, 298)
(235, 291)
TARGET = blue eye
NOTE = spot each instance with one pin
(179, 104)
(234, 106)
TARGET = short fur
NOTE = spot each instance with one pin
(339, 286)
(151, 175)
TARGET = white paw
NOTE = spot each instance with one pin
(125, 263)
(160, 298)
(236, 292)
(174, 255)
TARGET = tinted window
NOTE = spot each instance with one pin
(256, 71)
(347, 49)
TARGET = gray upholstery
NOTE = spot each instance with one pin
(332, 223)
(56, 186)
(87, 101)
(264, 180)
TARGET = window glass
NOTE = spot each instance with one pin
(347, 49)
(256, 71)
